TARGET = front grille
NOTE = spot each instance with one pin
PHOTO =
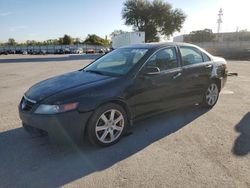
(27, 104)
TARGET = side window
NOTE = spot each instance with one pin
(190, 55)
(205, 57)
(164, 59)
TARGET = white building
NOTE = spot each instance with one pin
(179, 38)
(128, 39)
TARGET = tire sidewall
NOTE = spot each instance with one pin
(204, 102)
(94, 118)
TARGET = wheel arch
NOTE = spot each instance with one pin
(124, 105)
(217, 81)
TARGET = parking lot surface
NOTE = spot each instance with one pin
(190, 147)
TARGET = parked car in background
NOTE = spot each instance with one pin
(31, 52)
(43, 52)
(90, 51)
(7, 52)
(78, 51)
(4, 53)
(107, 50)
(19, 52)
(104, 98)
(67, 51)
(25, 52)
(59, 51)
(101, 51)
(36, 52)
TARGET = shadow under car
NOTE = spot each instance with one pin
(35, 162)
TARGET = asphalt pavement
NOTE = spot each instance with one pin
(190, 147)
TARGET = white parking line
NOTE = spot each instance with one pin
(226, 92)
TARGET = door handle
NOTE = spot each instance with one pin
(177, 75)
(208, 66)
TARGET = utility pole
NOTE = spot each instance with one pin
(237, 29)
(219, 21)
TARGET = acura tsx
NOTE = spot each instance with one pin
(104, 98)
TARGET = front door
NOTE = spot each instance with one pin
(160, 91)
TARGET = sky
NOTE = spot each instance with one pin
(49, 19)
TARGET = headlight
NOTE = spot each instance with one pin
(54, 109)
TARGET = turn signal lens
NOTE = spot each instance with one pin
(67, 107)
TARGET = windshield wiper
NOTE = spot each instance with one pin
(95, 71)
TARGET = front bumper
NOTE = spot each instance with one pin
(66, 128)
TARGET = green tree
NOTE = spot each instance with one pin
(51, 42)
(205, 35)
(77, 41)
(31, 43)
(153, 17)
(96, 40)
(11, 42)
(66, 39)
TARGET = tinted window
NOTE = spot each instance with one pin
(205, 57)
(190, 55)
(118, 62)
(164, 59)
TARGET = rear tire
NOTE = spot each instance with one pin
(107, 125)
(211, 95)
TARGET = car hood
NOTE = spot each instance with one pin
(60, 83)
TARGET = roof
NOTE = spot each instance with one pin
(156, 45)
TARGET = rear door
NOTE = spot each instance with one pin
(197, 68)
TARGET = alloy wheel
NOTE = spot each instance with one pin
(212, 94)
(109, 126)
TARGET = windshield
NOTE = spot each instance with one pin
(117, 62)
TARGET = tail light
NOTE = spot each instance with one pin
(224, 66)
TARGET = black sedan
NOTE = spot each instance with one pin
(103, 99)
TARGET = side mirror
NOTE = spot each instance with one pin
(151, 70)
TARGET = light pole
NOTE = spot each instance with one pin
(219, 21)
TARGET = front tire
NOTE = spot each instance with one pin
(211, 95)
(107, 125)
